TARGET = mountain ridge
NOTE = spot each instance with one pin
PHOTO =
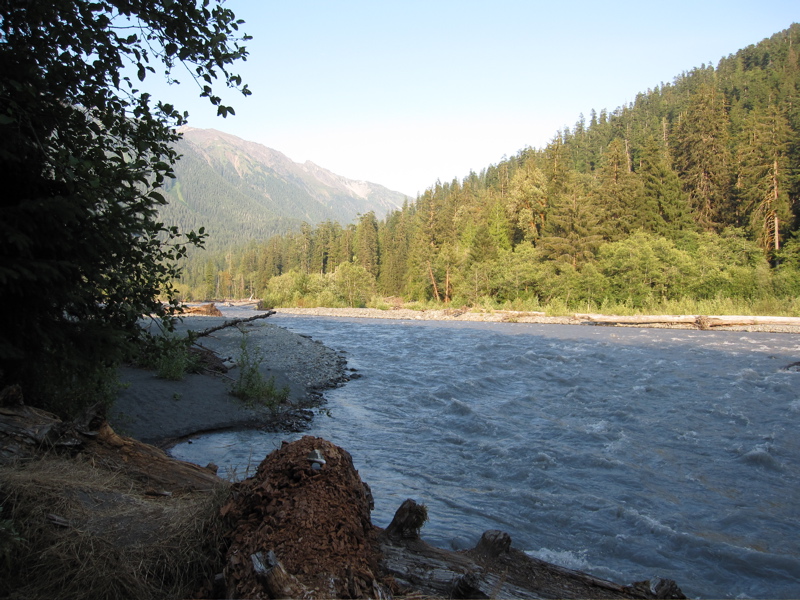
(240, 190)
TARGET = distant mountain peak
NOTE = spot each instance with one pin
(359, 187)
(240, 190)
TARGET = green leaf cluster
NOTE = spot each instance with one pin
(83, 153)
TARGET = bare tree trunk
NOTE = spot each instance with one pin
(433, 282)
(775, 204)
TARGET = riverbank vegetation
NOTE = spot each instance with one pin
(684, 200)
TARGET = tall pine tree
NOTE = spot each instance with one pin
(763, 175)
(702, 155)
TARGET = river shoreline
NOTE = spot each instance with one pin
(509, 316)
(162, 412)
(295, 353)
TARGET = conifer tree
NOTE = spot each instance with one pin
(367, 243)
(498, 228)
(429, 234)
(393, 240)
(702, 156)
(573, 230)
(763, 175)
(305, 247)
(620, 192)
(270, 262)
(664, 200)
(324, 241)
(346, 249)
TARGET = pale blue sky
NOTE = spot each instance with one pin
(405, 93)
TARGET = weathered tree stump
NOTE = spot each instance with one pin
(493, 543)
(307, 523)
(408, 520)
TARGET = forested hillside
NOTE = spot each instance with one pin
(690, 193)
(239, 191)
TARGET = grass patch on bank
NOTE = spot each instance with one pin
(84, 532)
(168, 355)
(251, 386)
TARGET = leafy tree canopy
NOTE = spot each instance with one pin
(83, 152)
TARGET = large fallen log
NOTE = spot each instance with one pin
(27, 432)
(636, 319)
(97, 515)
(734, 320)
(208, 310)
(493, 569)
(699, 321)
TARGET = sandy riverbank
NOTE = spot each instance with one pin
(158, 411)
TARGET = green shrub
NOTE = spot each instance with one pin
(378, 303)
(251, 386)
(168, 355)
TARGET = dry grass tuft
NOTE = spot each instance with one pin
(90, 533)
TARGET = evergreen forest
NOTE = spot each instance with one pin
(685, 200)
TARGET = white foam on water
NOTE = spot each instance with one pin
(566, 558)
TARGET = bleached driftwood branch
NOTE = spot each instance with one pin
(234, 322)
(700, 321)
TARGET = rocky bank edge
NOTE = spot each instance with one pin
(158, 411)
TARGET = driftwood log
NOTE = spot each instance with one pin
(233, 323)
(209, 359)
(27, 432)
(209, 310)
(493, 569)
(699, 321)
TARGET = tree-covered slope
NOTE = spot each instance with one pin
(240, 190)
(692, 191)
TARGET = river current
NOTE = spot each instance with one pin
(627, 453)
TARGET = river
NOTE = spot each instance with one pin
(627, 453)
